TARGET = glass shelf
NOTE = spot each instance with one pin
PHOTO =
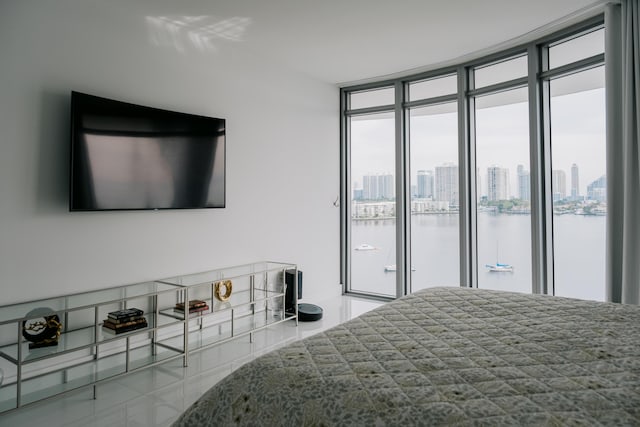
(18, 312)
(227, 273)
(79, 339)
(220, 332)
(237, 300)
(90, 372)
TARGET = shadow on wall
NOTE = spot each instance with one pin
(52, 163)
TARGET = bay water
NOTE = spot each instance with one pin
(578, 242)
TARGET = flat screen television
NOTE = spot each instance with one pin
(131, 157)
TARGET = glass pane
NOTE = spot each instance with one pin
(373, 223)
(499, 72)
(579, 184)
(576, 49)
(433, 87)
(372, 98)
(503, 215)
(435, 245)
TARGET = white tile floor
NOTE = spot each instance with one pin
(157, 396)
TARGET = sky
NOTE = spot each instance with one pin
(502, 136)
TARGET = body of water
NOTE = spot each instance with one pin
(579, 253)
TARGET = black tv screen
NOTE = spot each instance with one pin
(126, 156)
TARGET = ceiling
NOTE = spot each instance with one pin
(348, 41)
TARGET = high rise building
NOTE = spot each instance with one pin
(446, 184)
(524, 184)
(575, 184)
(558, 184)
(386, 187)
(378, 187)
(425, 184)
(370, 187)
(497, 183)
(597, 190)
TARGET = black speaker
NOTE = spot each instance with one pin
(289, 302)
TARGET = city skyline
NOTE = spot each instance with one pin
(442, 184)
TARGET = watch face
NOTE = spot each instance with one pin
(32, 328)
(42, 325)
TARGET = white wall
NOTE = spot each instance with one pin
(282, 153)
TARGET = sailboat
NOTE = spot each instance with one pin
(365, 247)
(499, 267)
(390, 268)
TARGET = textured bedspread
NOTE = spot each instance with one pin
(446, 356)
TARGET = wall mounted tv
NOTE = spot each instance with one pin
(126, 156)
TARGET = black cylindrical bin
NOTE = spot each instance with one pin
(289, 301)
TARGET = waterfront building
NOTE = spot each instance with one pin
(575, 182)
(497, 183)
(425, 184)
(446, 184)
(524, 184)
(558, 185)
(370, 187)
(597, 190)
(378, 187)
(372, 210)
(429, 206)
(386, 187)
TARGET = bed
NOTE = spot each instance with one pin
(446, 356)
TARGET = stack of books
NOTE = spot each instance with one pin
(126, 320)
(195, 306)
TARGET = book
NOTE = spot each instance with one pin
(192, 310)
(109, 324)
(137, 326)
(124, 319)
(196, 303)
(127, 312)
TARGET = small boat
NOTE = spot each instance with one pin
(500, 268)
(392, 267)
(366, 247)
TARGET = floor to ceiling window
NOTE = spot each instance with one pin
(577, 111)
(372, 207)
(502, 187)
(500, 165)
(433, 136)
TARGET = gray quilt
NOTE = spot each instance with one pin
(446, 356)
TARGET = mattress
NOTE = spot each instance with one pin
(446, 356)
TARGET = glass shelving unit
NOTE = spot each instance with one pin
(86, 354)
